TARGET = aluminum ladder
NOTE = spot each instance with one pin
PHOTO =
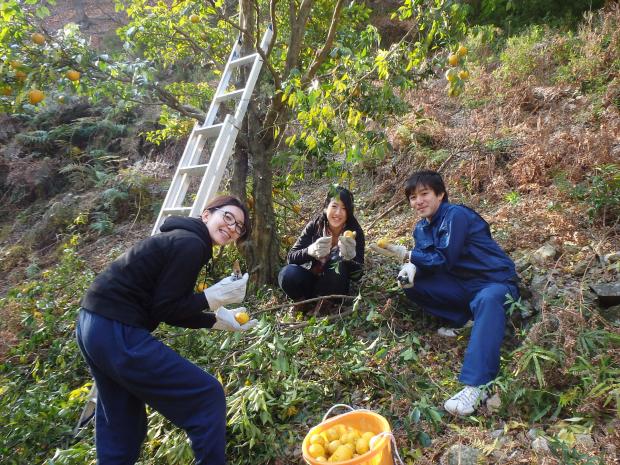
(210, 173)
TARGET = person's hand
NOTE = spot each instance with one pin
(225, 320)
(229, 290)
(406, 275)
(347, 247)
(320, 248)
(399, 252)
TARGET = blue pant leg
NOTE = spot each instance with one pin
(152, 372)
(120, 417)
(481, 363)
(442, 295)
(297, 282)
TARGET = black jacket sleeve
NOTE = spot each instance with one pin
(174, 298)
(200, 320)
(299, 252)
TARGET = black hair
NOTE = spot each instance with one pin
(426, 178)
(346, 197)
(222, 201)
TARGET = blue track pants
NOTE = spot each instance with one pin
(459, 300)
(131, 368)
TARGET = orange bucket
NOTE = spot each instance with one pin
(363, 420)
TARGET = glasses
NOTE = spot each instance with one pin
(230, 220)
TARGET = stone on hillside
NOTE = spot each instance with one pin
(521, 264)
(533, 433)
(545, 253)
(494, 403)
(608, 293)
(540, 445)
(497, 433)
(611, 314)
(459, 454)
(581, 267)
(613, 257)
(584, 440)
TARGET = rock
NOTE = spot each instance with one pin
(540, 445)
(611, 314)
(584, 440)
(494, 403)
(459, 454)
(580, 268)
(545, 253)
(533, 433)
(612, 257)
(522, 263)
(538, 283)
(608, 293)
(497, 433)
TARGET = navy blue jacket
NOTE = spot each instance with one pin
(154, 280)
(458, 241)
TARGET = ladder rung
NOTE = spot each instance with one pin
(185, 211)
(246, 60)
(230, 95)
(194, 169)
(209, 131)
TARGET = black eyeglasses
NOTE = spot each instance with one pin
(230, 220)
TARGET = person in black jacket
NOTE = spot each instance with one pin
(153, 282)
(324, 260)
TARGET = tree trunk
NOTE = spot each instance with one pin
(263, 252)
(239, 178)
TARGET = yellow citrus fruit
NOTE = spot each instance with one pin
(342, 453)
(20, 76)
(38, 38)
(316, 450)
(6, 90)
(464, 74)
(341, 429)
(194, 19)
(242, 318)
(15, 64)
(201, 287)
(368, 435)
(349, 233)
(333, 445)
(462, 51)
(73, 75)
(317, 439)
(332, 434)
(383, 243)
(320, 458)
(451, 74)
(35, 96)
(297, 209)
(362, 446)
(453, 59)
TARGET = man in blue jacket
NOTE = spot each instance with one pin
(461, 274)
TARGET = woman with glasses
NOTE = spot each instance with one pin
(328, 254)
(154, 282)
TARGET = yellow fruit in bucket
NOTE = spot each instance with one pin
(242, 318)
(317, 439)
(362, 446)
(316, 450)
(332, 434)
(344, 452)
(320, 458)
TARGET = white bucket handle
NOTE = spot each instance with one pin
(381, 434)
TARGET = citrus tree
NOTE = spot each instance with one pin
(328, 82)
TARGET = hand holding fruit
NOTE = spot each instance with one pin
(400, 252)
(231, 320)
(346, 244)
(229, 290)
(320, 248)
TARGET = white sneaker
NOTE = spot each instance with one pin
(453, 332)
(466, 401)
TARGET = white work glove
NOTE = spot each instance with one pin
(225, 320)
(347, 247)
(400, 252)
(320, 248)
(406, 275)
(228, 291)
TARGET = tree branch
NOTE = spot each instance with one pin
(298, 28)
(321, 54)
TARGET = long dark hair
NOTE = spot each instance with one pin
(222, 201)
(346, 197)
